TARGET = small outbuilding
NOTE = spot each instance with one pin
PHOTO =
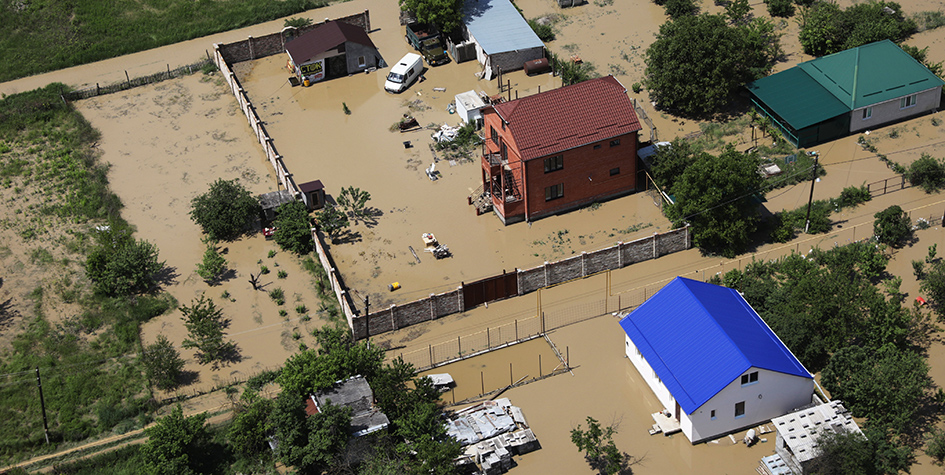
(798, 433)
(843, 93)
(469, 108)
(332, 50)
(503, 39)
(713, 363)
(270, 202)
(355, 393)
(313, 194)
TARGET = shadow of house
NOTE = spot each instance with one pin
(843, 93)
(335, 49)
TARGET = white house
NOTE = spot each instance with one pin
(713, 363)
(469, 108)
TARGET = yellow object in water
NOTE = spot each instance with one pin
(307, 83)
(393, 286)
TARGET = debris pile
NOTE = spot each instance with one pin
(491, 432)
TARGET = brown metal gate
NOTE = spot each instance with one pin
(490, 289)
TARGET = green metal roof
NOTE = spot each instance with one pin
(797, 98)
(825, 87)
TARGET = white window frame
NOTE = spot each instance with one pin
(907, 101)
(868, 113)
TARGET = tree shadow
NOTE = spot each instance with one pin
(370, 215)
(226, 276)
(347, 237)
(166, 276)
(229, 355)
(8, 314)
(186, 378)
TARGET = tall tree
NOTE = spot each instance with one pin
(309, 443)
(120, 265)
(446, 14)
(176, 444)
(828, 29)
(698, 62)
(892, 226)
(205, 323)
(714, 194)
(225, 211)
(213, 264)
(598, 445)
(331, 221)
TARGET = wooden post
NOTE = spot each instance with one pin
(431, 355)
(567, 357)
(511, 381)
(460, 344)
(516, 329)
(488, 339)
(482, 384)
(539, 365)
(127, 78)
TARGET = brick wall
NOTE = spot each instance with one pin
(274, 43)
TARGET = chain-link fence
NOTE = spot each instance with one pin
(129, 83)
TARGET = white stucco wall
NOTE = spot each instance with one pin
(889, 111)
(780, 393)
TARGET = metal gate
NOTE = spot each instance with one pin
(490, 289)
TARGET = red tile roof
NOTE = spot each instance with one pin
(569, 117)
(324, 38)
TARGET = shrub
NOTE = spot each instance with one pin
(852, 196)
(121, 265)
(282, 274)
(928, 173)
(780, 8)
(637, 87)
(162, 363)
(213, 264)
(892, 226)
(544, 32)
(263, 270)
(680, 8)
(301, 308)
(293, 228)
(272, 253)
(276, 294)
(936, 445)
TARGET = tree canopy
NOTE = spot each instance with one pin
(205, 323)
(714, 194)
(162, 363)
(120, 265)
(225, 211)
(698, 62)
(892, 226)
(446, 14)
(828, 29)
(294, 228)
(176, 444)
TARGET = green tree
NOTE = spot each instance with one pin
(205, 323)
(885, 385)
(309, 444)
(544, 31)
(935, 447)
(598, 446)
(842, 453)
(119, 265)
(737, 11)
(176, 444)
(447, 14)
(921, 55)
(680, 8)
(699, 62)
(933, 283)
(714, 195)
(780, 8)
(213, 264)
(827, 29)
(294, 228)
(928, 173)
(892, 226)
(354, 201)
(337, 357)
(248, 435)
(670, 162)
(162, 363)
(332, 221)
(225, 211)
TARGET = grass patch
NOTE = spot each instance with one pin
(63, 34)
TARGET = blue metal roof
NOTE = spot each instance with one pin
(700, 337)
(498, 27)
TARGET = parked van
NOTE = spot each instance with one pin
(404, 73)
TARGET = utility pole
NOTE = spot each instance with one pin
(367, 315)
(42, 405)
(810, 200)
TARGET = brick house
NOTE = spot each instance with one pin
(558, 150)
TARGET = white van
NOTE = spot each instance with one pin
(405, 72)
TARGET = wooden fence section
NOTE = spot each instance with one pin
(881, 187)
(526, 281)
(129, 83)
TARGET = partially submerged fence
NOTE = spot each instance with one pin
(130, 82)
(881, 187)
(525, 281)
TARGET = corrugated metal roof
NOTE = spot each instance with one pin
(797, 98)
(569, 117)
(823, 88)
(498, 27)
(324, 38)
(700, 337)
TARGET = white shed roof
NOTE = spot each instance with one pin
(498, 27)
(800, 429)
(470, 100)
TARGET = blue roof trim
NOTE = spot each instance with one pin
(700, 337)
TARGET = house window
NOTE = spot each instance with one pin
(614, 142)
(554, 163)
(907, 101)
(749, 378)
(361, 62)
(597, 147)
(494, 134)
(739, 409)
(614, 171)
(712, 414)
(867, 113)
(554, 192)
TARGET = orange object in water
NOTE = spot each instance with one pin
(307, 83)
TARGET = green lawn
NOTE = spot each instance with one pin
(45, 35)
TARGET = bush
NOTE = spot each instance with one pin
(544, 32)
(852, 196)
(780, 8)
(225, 211)
(927, 173)
(637, 87)
(213, 264)
(680, 8)
(936, 445)
(892, 226)
(162, 363)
